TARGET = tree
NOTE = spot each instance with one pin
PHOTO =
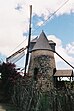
(8, 75)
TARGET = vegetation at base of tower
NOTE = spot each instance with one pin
(26, 96)
(30, 98)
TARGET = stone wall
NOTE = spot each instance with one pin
(44, 61)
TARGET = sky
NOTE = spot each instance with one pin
(14, 26)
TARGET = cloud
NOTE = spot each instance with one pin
(12, 25)
(18, 7)
(42, 7)
(14, 22)
(70, 48)
(63, 52)
(40, 23)
(45, 9)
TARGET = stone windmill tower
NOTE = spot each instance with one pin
(42, 62)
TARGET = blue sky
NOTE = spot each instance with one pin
(61, 26)
(14, 22)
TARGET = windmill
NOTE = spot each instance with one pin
(21, 51)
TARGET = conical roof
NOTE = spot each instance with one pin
(42, 43)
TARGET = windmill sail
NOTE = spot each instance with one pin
(27, 55)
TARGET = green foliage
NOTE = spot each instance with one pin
(45, 103)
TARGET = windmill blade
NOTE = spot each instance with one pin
(16, 56)
(64, 60)
(27, 55)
